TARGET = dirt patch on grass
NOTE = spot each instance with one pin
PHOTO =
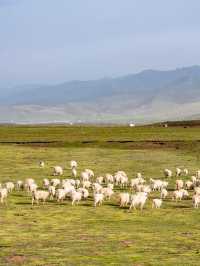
(16, 260)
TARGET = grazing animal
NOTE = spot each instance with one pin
(58, 170)
(156, 203)
(38, 195)
(98, 199)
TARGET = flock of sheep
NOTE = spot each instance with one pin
(104, 187)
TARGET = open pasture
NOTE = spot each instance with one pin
(61, 234)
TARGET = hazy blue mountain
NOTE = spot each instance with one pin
(148, 95)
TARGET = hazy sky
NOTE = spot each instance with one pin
(48, 41)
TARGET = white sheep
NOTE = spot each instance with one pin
(198, 173)
(99, 179)
(179, 194)
(85, 176)
(138, 175)
(196, 201)
(96, 187)
(156, 203)
(194, 180)
(109, 178)
(167, 173)
(107, 192)
(3, 195)
(38, 195)
(41, 164)
(178, 172)
(90, 173)
(138, 200)
(86, 184)
(188, 184)
(76, 197)
(32, 187)
(28, 182)
(124, 199)
(10, 186)
(77, 183)
(98, 199)
(55, 182)
(52, 191)
(84, 191)
(60, 194)
(74, 172)
(73, 164)
(58, 170)
(185, 171)
(163, 193)
(46, 182)
(179, 184)
(197, 190)
(19, 184)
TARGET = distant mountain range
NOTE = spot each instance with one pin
(148, 96)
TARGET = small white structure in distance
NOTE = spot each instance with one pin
(131, 125)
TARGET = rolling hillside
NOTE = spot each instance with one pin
(150, 95)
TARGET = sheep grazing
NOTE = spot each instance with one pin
(52, 191)
(98, 199)
(60, 194)
(90, 173)
(85, 193)
(76, 197)
(32, 187)
(99, 179)
(77, 183)
(38, 195)
(178, 172)
(194, 180)
(138, 175)
(73, 164)
(55, 182)
(86, 184)
(163, 193)
(41, 164)
(185, 171)
(46, 183)
(96, 187)
(136, 181)
(179, 184)
(197, 190)
(58, 170)
(3, 195)
(19, 184)
(156, 203)
(189, 184)
(167, 173)
(109, 178)
(196, 201)
(179, 194)
(124, 199)
(198, 173)
(74, 172)
(156, 184)
(138, 200)
(28, 182)
(85, 176)
(107, 192)
(10, 186)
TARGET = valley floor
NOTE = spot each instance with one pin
(61, 234)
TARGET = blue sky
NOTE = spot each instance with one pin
(51, 41)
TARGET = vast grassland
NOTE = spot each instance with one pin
(59, 234)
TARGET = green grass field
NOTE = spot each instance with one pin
(59, 234)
